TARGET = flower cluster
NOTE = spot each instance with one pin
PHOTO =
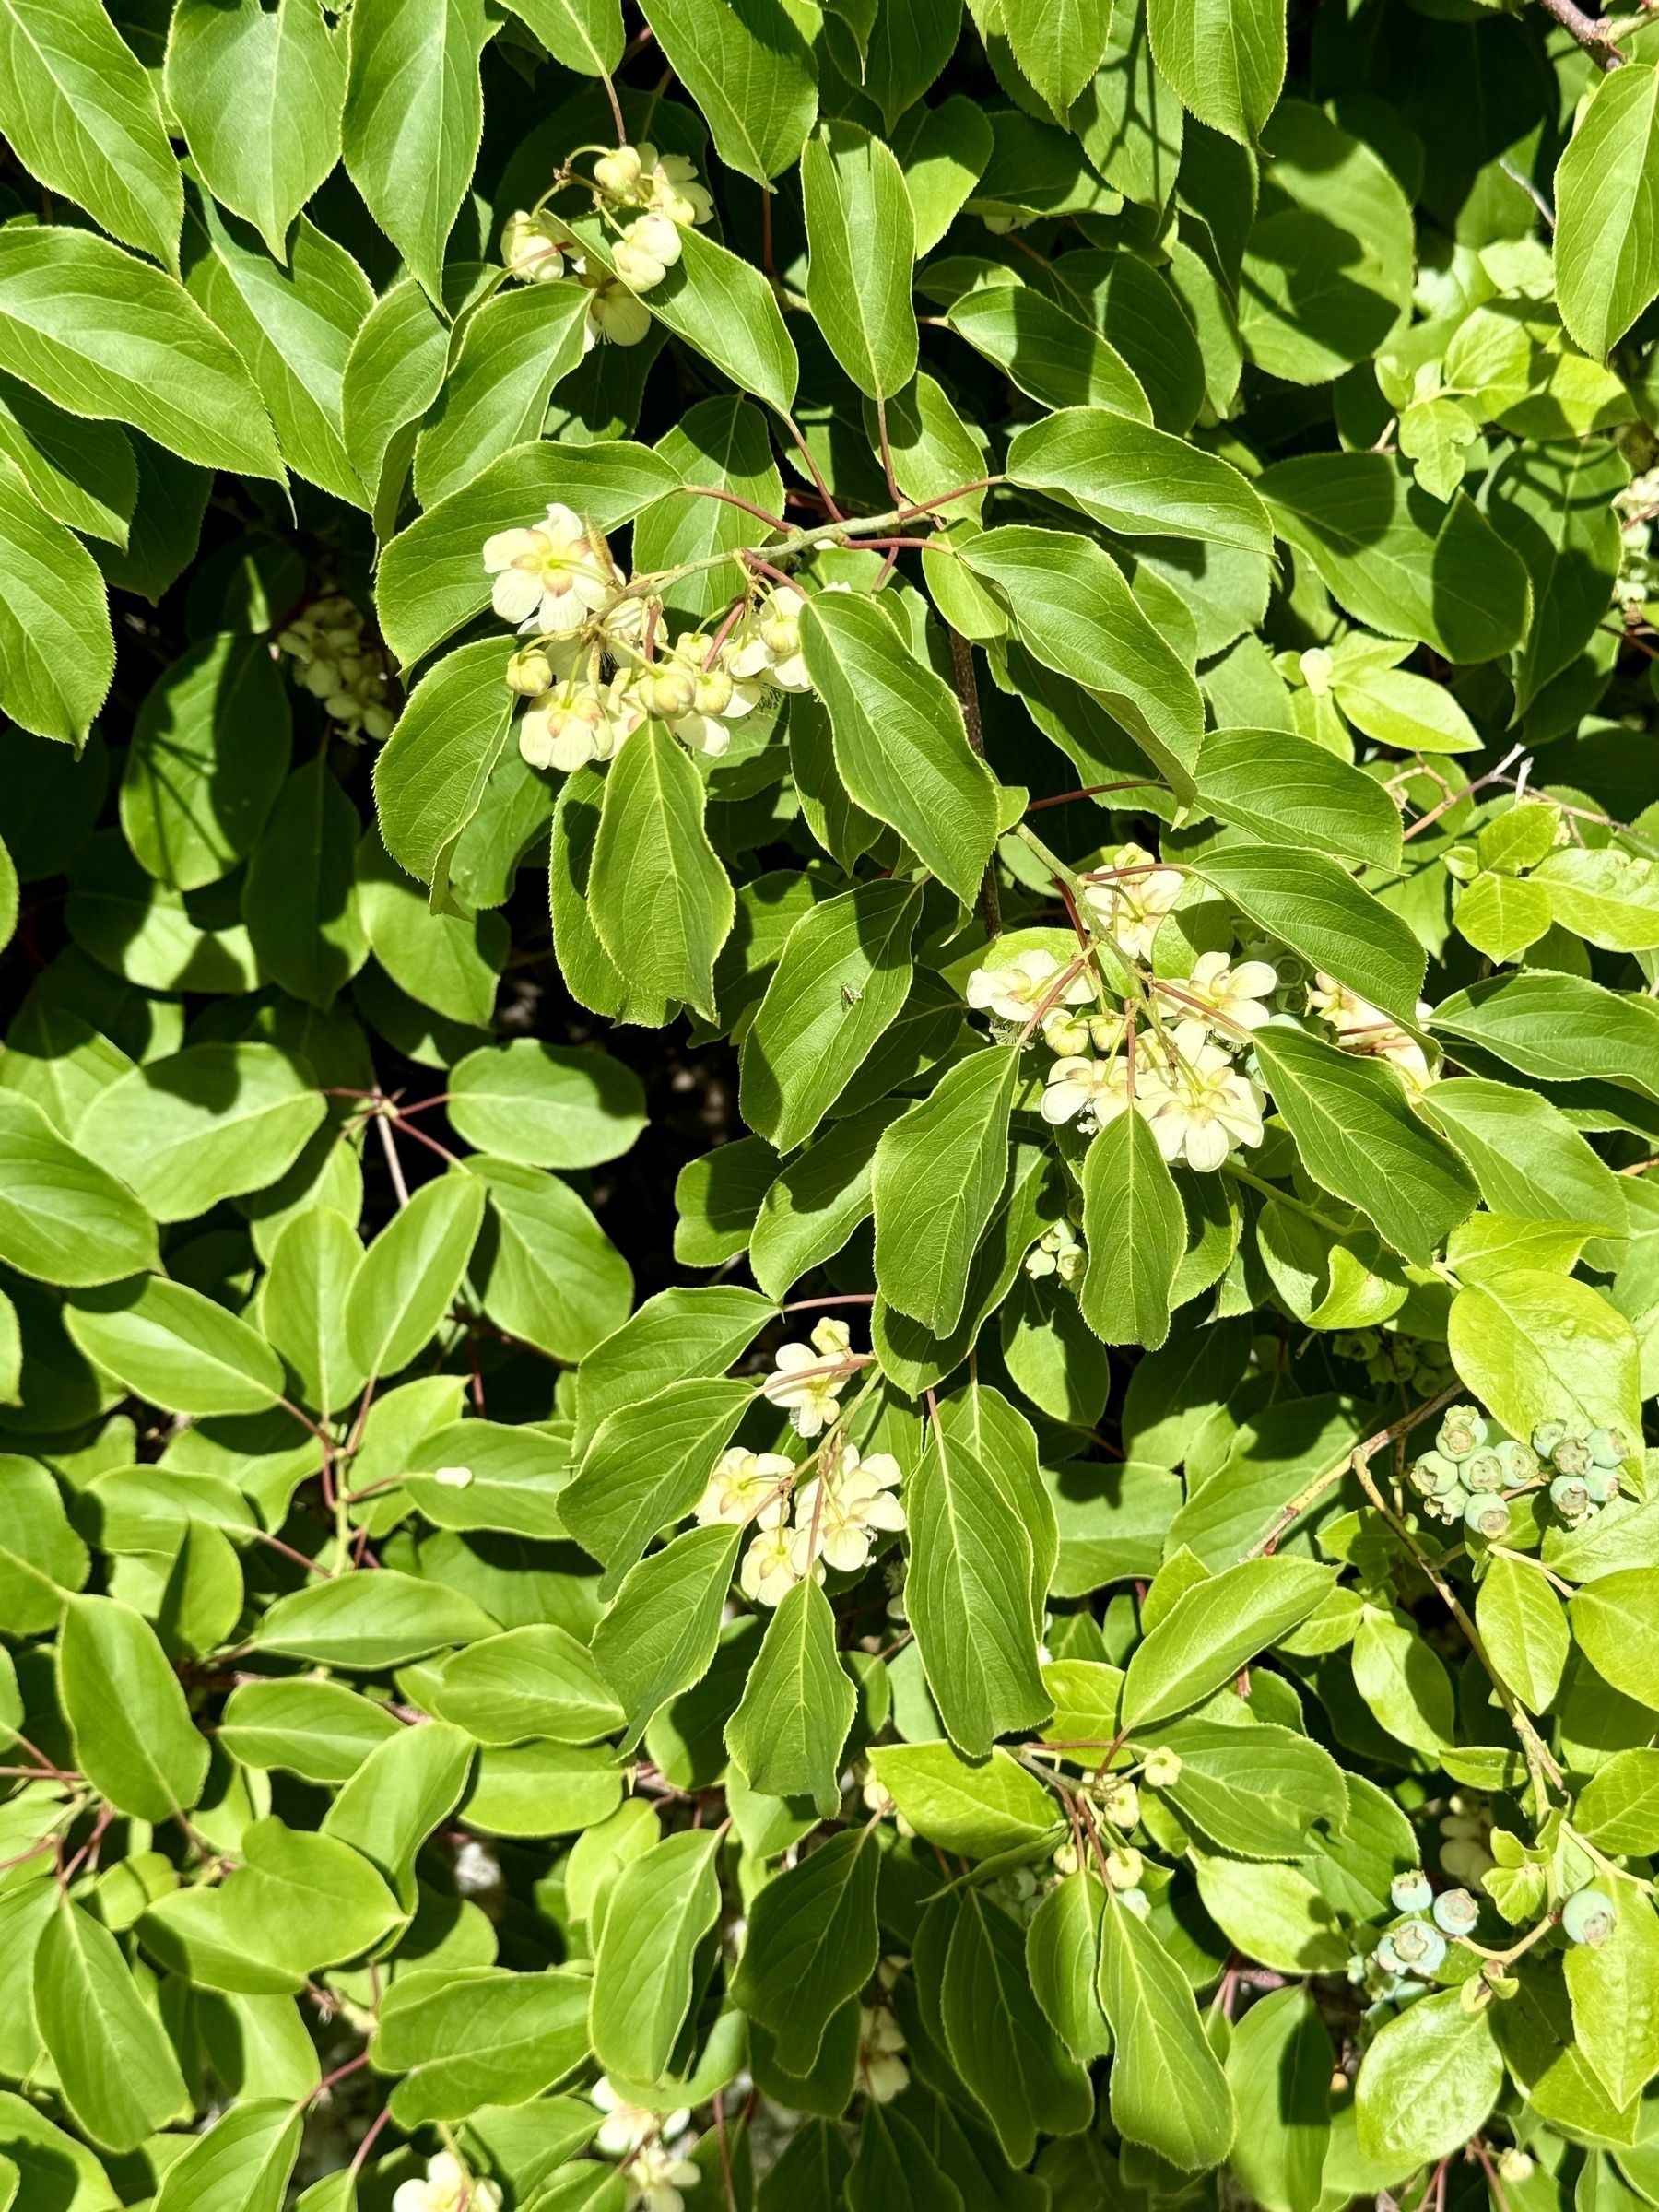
(1056, 1251)
(647, 199)
(652, 2148)
(341, 666)
(1363, 1028)
(839, 1515)
(882, 2074)
(1199, 1104)
(1636, 507)
(448, 2187)
(1134, 901)
(809, 1378)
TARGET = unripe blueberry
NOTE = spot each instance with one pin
(1602, 1483)
(1387, 1958)
(1463, 1431)
(1546, 1436)
(1608, 1447)
(1589, 1916)
(1488, 1516)
(1569, 1495)
(1483, 1470)
(1411, 1892)
(1355, 1343)
(1433, 1475)
(1519, 1464)
(1451, 1506)
(1571, 1456)
(1455, 1912)
(1419, 1946)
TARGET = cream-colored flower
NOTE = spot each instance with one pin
(533, 248)
(1097, 1091)
(1207, 1107)
(614, 313)
(768, 1573)
(448, 2187)
(839, 1512)
(1362, 1028)
(626, 2126)
(655, 2175)
(1014, 991)
(646, 251)
(1056, 1251)
(669, 185)
(768, 645)
(551, 578)
(806, 1385)
(741, 1484)
(1317, 669)
(881, 2072)
(1131, 908)
(567, 727)
(1235, 995)
(618, 174)
(1411, 1063)
(832, 1337)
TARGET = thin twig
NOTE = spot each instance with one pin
(393, 1164)
(1590, 31)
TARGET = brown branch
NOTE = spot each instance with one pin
(1590, 31)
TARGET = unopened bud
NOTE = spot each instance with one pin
(1162, 1770)
(530, 672)
(619, 172)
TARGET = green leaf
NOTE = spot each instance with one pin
(659, 1636)
(1000, 2039)
(513, 1479)
(258, 95)
(1537, 1346)
(647, 1466)
(1273, 1913)
(663, 1905)
(585, 35)
(411, 1272)
(85, 477)
(414, 113)
(844, 977)
(63, 1217)
(536, 1681)
(431, 578)
(175, 1347)
(1403, 1682)
(209, 754)
(1128, 121)
(116, 2071)
(678, 1333)
(748, 69)
(133, 1735)
(1135, 1226)
(979, 1808)
(1062, 1949)
(812, 1942)
(1053, 356)
(1552, 503)
(659, 900)
(1427, 2084)
(1619, 1806)
(1280, 2068)
(515, 348)
(545, 1269)
(1287, 789)
(818, 1199)
(1224, 58)
(1524, 1630)
(1501, 915)
(1077, 616)
(112, 337)
(1058, 44)
(716, 1198)
(300, 901)
(1558, 1027)
(938, 1173)
(1168, 2088)
(1138, 481)
(1315, 906)
(78, 107)
(901, 745)
(489, 2036)
(1255, 1791)
(861, 237)
(1408, 565)
(450, 961)
(365, 1622)
(240, 2164)
(43, 1559)
(1359, 1137)
(1608, 897)
(303, 1304)
(430, 777)
(203, 1125)
(1614, 1622)
(547, 1105)
(797, 1705)
(944, 157)
(1605, 266)
(1213, 1630)
(55, 647)
(1615, 1991)
(393, 375)
(318, 1730)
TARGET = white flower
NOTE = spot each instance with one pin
(655, 2175)
(614, 313)
(618, 174)
(806, 1385)
(769, 643)
(1317, 669)
(1411, 1063)
(1206, 1106)
(1015, 991)
(768, 1574)
(551, 578)
(532, 248)
(448, 2187)
(627, 2126)
(881, 2072)
(845, 1505)
(832, 1337)
(646, 252)
(742, 1482)
(1057, 1251)
(1069, 1033)
(669, 185)
(567, 727)
(1362, 1028)
(1235, 995)
(1131, 908)
(1097, 1090)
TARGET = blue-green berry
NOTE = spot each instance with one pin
(1455, 1912)
(1602, 1483)
(1419, 1946)
(1569, 1495)
(1488, 1516)
(1608, 1447)
(1546, 1436)
(1571, 1456)
(1433, 1475)
(1484, 1470)
(1463, 1431)
(1411, 1892)
(1519, 1464)
(1589, 1916)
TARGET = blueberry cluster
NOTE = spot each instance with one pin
(1586, 1467)
(1393, 1360)
(1410, 1952)
(1465, 1478)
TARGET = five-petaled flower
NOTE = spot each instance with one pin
(550, 578)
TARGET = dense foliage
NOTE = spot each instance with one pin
(827, 1256)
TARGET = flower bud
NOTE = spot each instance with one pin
(1137, 1901)
(1411, 1892)
(1488, 1516)
(1162, 1769)
(617, 173)
(1570, 1497)
(667, 691)
(1123, 1868)
(1546, 1436)
(1455, 1912)
(530, 249)
(1608, 1447)
(1571, 1456)
(1514, 2165)
(1122, 1805)
(1589, 1916)
(1317, 668)
(1463, 1431)
(530, 671)
(713, 692)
